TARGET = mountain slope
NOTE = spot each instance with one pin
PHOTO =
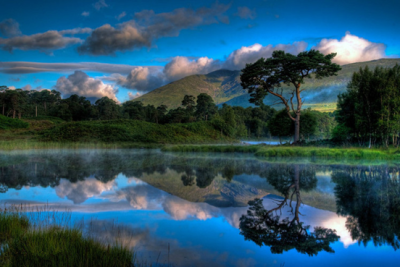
(224, 87)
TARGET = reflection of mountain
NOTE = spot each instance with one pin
(220, 182)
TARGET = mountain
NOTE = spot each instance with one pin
(224, 87)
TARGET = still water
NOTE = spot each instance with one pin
(193, 209)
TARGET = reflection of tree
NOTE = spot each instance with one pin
(370, 197)
(265, 227)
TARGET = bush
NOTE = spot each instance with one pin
(9, 123)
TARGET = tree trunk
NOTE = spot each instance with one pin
(3, 108)
(297, 128)
(36, 110)
(280, 140)
(19, 115)
(14, 114)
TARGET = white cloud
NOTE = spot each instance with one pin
(180, 67)
(352, 49)
(81, 84)
(249, 54)
(85, 14)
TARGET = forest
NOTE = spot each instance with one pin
(252, 122)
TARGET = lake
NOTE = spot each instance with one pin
(193, 209)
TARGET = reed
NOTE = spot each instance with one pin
(37, 236)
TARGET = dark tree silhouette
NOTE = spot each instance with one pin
(265, 227)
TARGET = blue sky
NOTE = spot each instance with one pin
(150, 43)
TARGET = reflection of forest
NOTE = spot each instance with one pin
(370, 197)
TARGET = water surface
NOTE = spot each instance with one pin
(192, 209)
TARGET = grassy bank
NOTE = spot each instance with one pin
(293, 152)
(26, 244)
(50, 133)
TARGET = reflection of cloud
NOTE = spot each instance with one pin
(80, 191)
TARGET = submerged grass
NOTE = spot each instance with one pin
(53, 242)
(293, 152)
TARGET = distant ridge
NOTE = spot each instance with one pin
(224, 87)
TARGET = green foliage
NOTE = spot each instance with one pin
(8, 123)
(370, 109)
(266, 76)
(205, 107)
(132, 131)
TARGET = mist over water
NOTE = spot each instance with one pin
(197, 204)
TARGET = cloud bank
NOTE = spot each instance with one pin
(44, 42)
(147, 26)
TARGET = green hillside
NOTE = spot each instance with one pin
(224, 87)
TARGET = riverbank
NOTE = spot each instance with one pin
(46, 134)
(292, 152)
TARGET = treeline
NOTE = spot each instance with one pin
(259, 122)
(369, 112)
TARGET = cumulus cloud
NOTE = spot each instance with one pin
(100, 4)
(9, 28)
(249, 54)
(352, 49)
(45, 42)
(180, 67)
(142, 79)
(81, 84)
(246, 13)
(147, 27)
(106, 40)
(80, 191)
(85, 14)
(120, 16)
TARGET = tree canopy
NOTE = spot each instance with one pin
(266, 76)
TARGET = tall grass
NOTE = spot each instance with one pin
(44, 237)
